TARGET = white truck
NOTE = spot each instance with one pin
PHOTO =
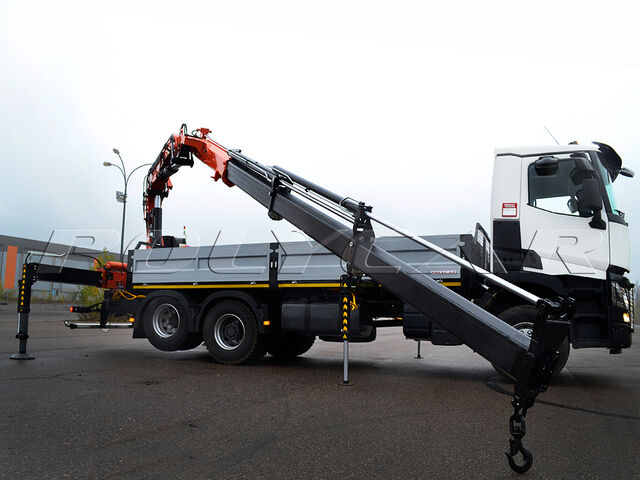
(557, 230)
(550, 274)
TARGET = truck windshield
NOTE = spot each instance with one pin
(608, 184)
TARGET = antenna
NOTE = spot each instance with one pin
(554, 138)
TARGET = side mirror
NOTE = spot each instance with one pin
(592, 200)
(591, 197)
(546, 166)
(626, 172)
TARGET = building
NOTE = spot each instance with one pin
(15, 250)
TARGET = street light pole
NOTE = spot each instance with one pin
(124, 203)
(123, 197)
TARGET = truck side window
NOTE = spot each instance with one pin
(560, 192)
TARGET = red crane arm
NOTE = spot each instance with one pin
(178, 151)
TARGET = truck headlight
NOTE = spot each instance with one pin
(620, 296)
(626, 318)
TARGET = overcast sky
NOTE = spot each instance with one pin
(399, 104)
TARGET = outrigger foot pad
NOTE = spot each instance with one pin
(22, 356)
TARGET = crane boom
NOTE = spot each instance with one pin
(178, 151)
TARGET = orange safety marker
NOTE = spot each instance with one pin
(10, 268)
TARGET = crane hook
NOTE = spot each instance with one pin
(517, 429)
(526, 455)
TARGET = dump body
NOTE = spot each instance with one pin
(300, 262)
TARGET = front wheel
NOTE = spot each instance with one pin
(522, 318)
(230, 333)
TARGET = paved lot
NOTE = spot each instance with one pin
(101, 405)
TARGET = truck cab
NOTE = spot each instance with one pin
(557, 230)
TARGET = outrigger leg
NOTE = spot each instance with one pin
(24, 307)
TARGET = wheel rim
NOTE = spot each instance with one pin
(166, 320)
(229, 331)
(525, 327)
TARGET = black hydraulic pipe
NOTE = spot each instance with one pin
(349, 203)
(237, 155)
(352, 206)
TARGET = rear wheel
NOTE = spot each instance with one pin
(166, 323)
(290, 346)
(230, 333)
(522, 318)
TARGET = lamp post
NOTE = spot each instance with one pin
(120, 196)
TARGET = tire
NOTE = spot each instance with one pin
(522, 318)
(166, 323)
(230, 334)
(290, 346)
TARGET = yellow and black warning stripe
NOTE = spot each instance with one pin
(167, 286)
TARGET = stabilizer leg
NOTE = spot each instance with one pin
(345, 309)
(24, 307)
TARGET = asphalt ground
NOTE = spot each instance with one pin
(99, 404)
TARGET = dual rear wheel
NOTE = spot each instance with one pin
(230, 332)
